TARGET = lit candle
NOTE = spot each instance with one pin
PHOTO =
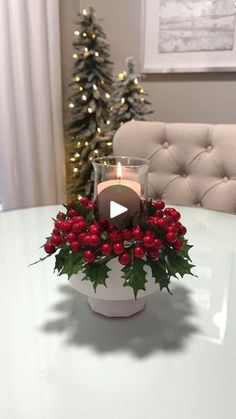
(124, 193)
(135, 186)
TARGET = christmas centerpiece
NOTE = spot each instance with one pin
(120, 247)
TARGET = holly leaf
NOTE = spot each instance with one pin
(160, 274)
(178, 265)
(61, 258)
(135, 276)
(96, 272)
(185, 251)
(68, 263)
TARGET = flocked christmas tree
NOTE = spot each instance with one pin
(89, 105)
(129, 101)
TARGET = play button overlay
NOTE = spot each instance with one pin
(116, 209)
(118, 204)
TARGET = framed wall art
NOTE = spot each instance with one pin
(188, 35)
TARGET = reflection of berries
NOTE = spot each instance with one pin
(139, 252)
(106, 249)
(178, 245)
(89, 256)
(75, 246)
(49, 248)
(125, 259)
(118, 248)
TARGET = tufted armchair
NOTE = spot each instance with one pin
(191, 164)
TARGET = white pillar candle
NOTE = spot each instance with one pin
(135, 186)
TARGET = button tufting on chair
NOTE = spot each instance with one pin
(190, 147)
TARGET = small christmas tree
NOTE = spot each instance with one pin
(89, 105)
(129, 100)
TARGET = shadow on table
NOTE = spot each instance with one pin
(165, 324)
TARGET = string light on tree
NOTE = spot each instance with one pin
(128, 102)
(92, 85)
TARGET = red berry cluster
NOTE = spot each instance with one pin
(102, 239)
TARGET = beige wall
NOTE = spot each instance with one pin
(206, 97)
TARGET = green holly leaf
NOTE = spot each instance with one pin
(185, 251)
(160, 274)
(61, 258)
(135, 276)
(178, 265)
(96, 272)
(68, 263)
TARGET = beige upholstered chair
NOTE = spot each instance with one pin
(191, 164)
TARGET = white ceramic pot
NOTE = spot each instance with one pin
(114, 300)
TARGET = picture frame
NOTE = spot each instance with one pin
(188, 36)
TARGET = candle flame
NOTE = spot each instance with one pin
(119, 171)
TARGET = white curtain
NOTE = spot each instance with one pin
(31, 127)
